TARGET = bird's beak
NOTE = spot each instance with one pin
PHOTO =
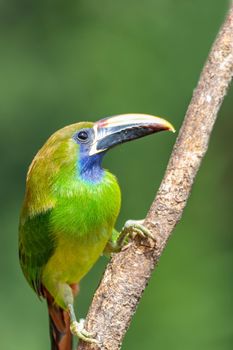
(112, 131)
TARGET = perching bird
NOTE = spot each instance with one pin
(69, 212)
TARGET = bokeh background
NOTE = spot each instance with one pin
(67, 61)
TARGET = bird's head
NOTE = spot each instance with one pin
(80, 147)
(94, 140)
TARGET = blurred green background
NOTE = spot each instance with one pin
(67, 61)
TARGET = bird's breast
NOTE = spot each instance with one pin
(82, 223)
(82, 209)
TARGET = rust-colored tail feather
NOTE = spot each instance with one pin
(59, 324)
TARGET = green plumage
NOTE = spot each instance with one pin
(66, 222)
(69, 212)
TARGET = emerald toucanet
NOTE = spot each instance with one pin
(69, 212)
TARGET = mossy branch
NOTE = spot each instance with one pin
(128, 272)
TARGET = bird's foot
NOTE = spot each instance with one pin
(136, 226)
(131, 229)
(77, 328)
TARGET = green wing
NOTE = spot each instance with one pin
(36, 246)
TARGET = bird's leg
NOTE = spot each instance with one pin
(112, 245)
(65, 299)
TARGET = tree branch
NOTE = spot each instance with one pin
(128, 272)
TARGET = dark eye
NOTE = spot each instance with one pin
(82, 135)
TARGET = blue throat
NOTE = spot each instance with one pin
(89, 167)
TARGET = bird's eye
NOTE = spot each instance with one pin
(82, 136)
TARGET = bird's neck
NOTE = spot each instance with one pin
(90, 169)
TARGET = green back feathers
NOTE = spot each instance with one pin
(35, 247)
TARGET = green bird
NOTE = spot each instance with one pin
(69, 212)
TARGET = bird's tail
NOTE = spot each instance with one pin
(59, 325)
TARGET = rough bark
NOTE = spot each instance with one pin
(128, 272)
